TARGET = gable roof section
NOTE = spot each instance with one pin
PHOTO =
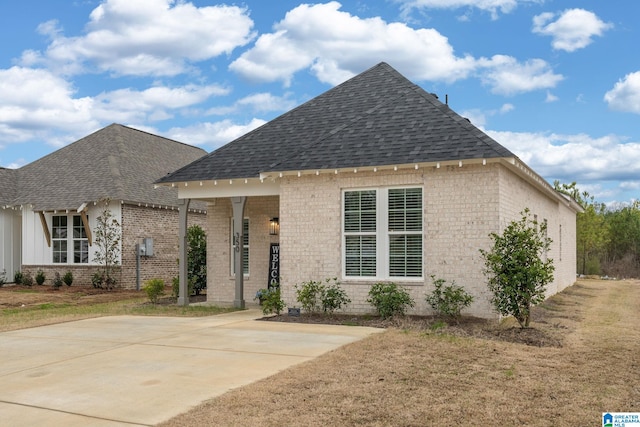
(116, 162)
(377, 118)
(8, 182)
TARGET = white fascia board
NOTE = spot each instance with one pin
(249, 187)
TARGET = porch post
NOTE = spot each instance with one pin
(183, 289)
(238, 241)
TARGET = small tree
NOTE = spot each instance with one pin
(197, 258)
(516, 271)
(107, 241)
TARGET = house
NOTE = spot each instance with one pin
(374, 180)
(50, 206)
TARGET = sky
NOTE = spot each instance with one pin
(557, 82)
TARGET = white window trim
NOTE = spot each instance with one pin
(382, 236)
(70, 241)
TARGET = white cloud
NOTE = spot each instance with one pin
(33, 102)
(507, 76)
(574, 157)
(125, 105)
(550, 97)
(495, 7)
(336, 45)
(574, 29)
(258, 102)
(213, 134)
(506, 108)
(146, 37)
(625, 95)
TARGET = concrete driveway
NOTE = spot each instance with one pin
(130, 370)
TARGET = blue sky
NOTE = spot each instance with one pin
(555, 81)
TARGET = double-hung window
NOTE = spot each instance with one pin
(63, 241)
(383, 233)
(80, 242)
(59, 239)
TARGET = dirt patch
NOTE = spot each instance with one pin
(36, 296)
(33, 296)
(464, 327)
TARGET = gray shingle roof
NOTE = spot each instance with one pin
(8, 182)
(116, 162)
(377, 118)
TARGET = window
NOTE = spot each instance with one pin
(382, 233)
(245, 244)
(62, 241)
(80, 242)
(59, 239)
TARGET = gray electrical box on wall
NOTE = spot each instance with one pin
(146, 249)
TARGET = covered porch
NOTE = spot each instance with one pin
(242, 228)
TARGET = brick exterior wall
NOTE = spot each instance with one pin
(162, 226)
(137, 223)
(462, 206)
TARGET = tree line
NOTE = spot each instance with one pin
(607, 237)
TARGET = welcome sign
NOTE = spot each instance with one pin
(274, 266)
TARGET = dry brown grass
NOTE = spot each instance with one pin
(423, 377)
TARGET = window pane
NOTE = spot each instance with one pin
(360, 211)
(59, 227)
(80, 251)
(405, 209)
(59, 251)
(78, 228)
(405, 255)
(360, 255)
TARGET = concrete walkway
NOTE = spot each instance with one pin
(129, 370)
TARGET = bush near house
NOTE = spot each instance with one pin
(271, 300)
(57, 281)
(317, 296)
(17, 278)
(68, 278)
(450, 300)
(40, 277)
(389, 299)
(517, 274)
(27, 279)
(154, 289)
(3, 278)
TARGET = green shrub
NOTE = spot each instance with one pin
(17, 278)
(154, 289)
(40, 277)
(57, 281)
(3, 277)
(27, 279)
(271, 301)
(389, 299)
(309, 295)
(68, 278)
(448, 300)
(102, 280)
(315, 296)
(333, 297)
